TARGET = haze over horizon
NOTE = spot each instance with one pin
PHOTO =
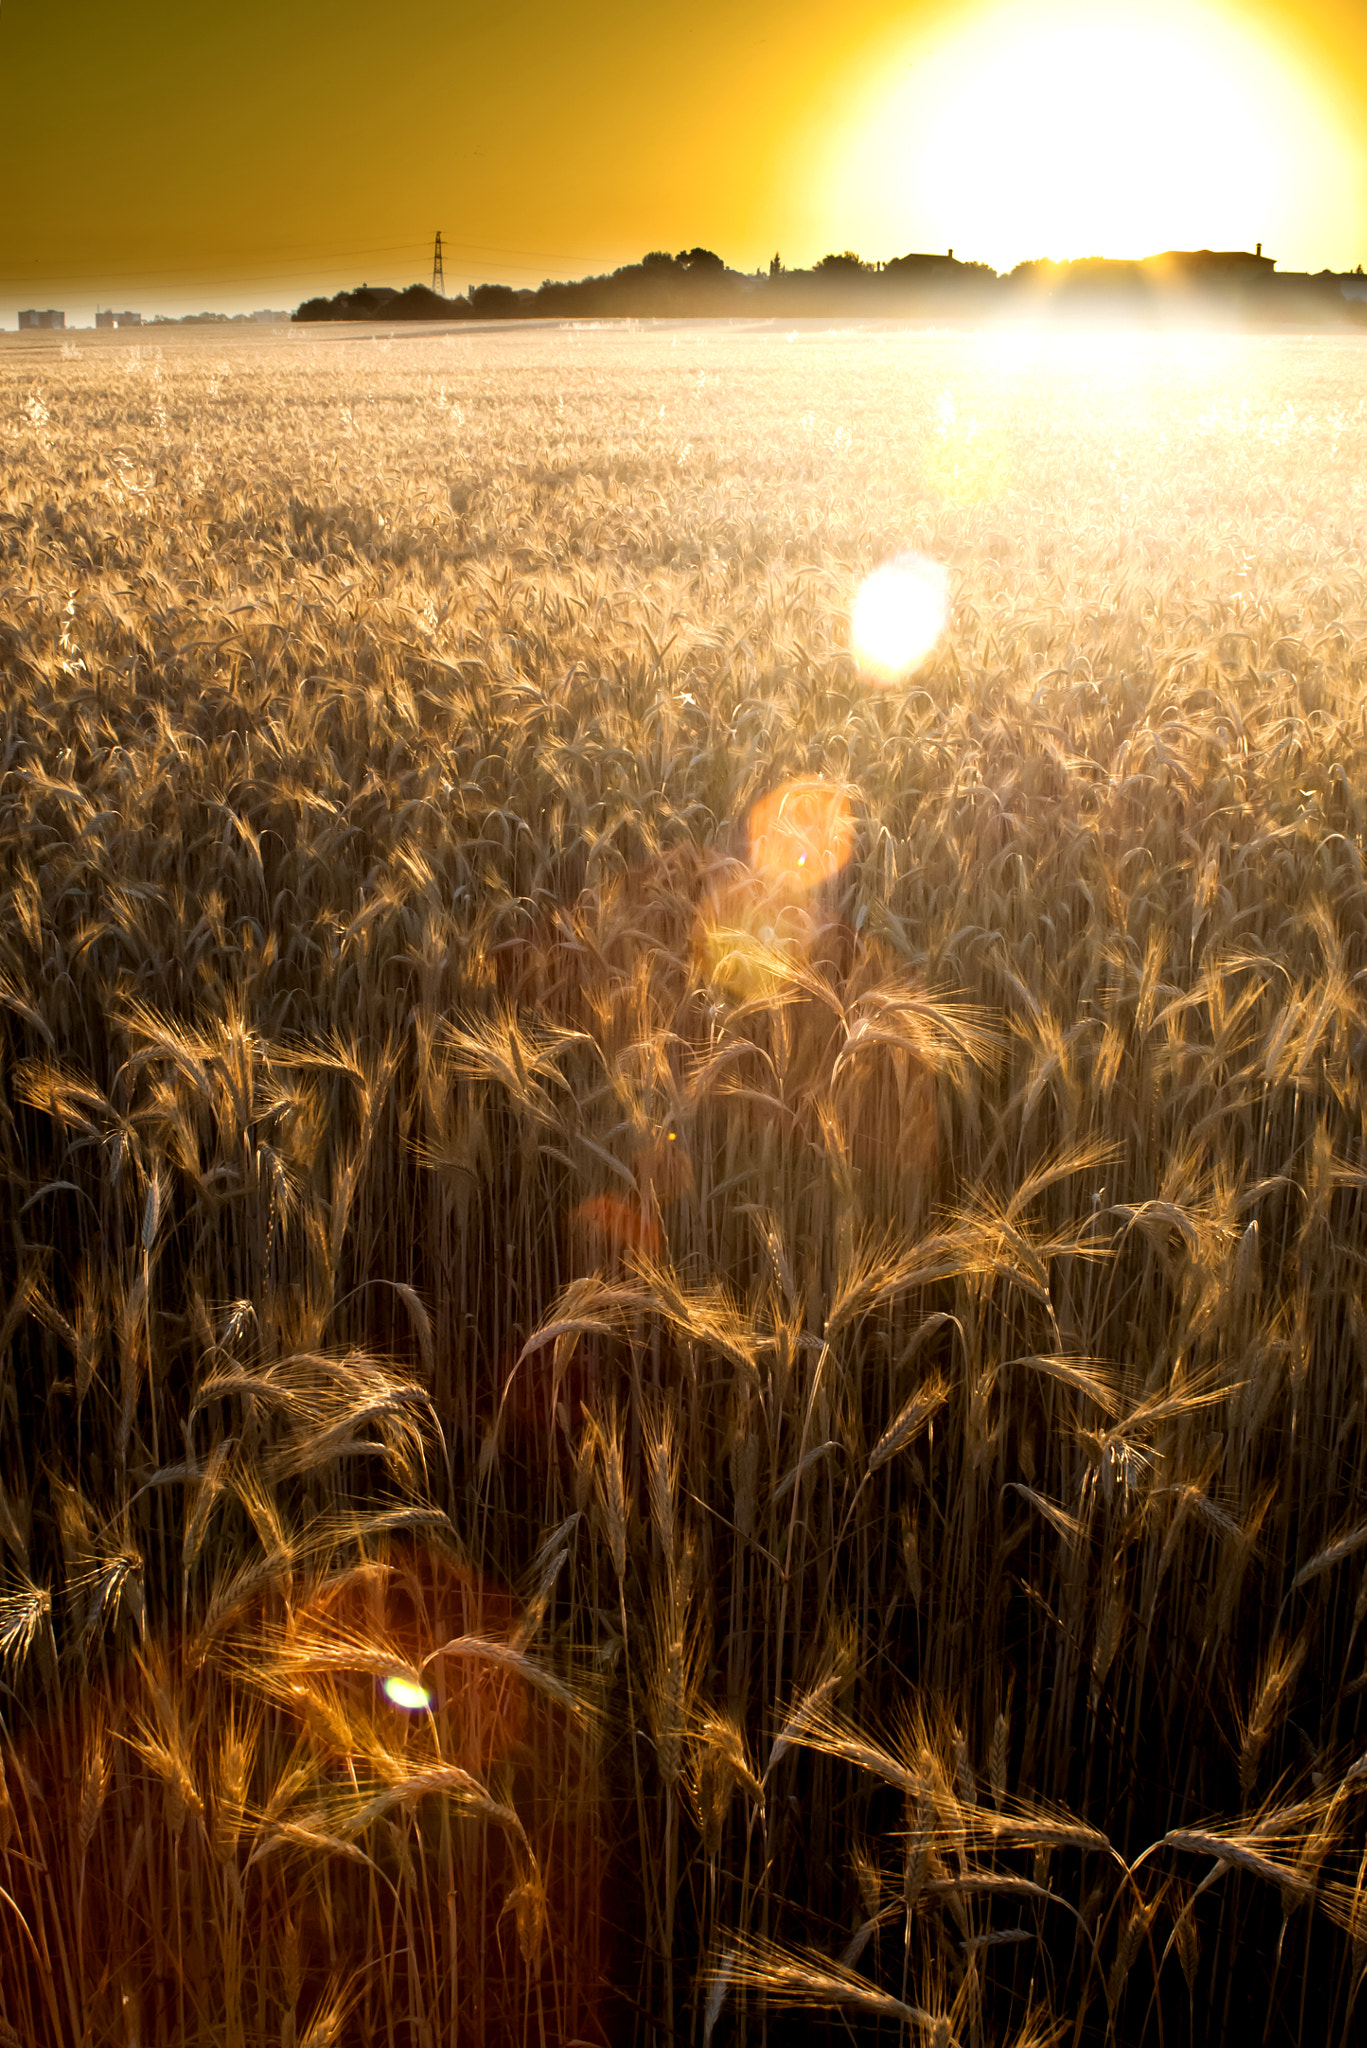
(174, 162)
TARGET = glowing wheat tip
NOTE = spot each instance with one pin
(405, 1692)
(899, 613)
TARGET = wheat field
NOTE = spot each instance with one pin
(683, 1338)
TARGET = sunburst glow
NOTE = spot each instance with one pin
(1069, 130)
(897, 616)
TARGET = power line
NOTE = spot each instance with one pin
(96, 275)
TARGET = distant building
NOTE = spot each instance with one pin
(1214, 266)
(111, 319)
(29, 317)
(919, 265)
(268, 313)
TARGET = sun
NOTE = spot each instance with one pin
(1071, 130)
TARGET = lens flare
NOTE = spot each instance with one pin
(898, 615)
(800, 835)
(406, 1693)
(769, 909)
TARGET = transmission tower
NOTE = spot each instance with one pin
(438, 274)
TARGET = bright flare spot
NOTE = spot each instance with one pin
(898, 615)
(770, 910)
(800, 835)
(404, 1692)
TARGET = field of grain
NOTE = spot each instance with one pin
(786, 1253)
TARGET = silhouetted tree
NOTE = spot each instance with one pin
(497, 302)
(420, 302)
(696, 283)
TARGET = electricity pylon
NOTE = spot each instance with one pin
(438, 274)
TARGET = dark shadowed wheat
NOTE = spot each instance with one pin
(682, 1341)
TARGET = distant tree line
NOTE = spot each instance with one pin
(697, 283)
(218, 319)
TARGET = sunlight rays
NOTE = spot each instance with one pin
(1069, 131)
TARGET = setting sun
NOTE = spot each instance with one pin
(1019, 131)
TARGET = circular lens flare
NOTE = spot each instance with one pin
(406, 1693)
(768, 908)
(800, 835)
(898, 615)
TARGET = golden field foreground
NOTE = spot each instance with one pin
(682, 1340)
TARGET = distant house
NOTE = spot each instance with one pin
(940, 267)
(29, 317)
(111, 319)
(268, 313)
(919, 265)
(1214, 266)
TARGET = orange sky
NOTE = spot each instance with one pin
(171, 158)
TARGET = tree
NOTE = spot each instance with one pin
(496, 302)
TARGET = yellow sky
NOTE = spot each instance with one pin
(177, 157)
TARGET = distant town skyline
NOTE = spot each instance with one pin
(175, 160)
